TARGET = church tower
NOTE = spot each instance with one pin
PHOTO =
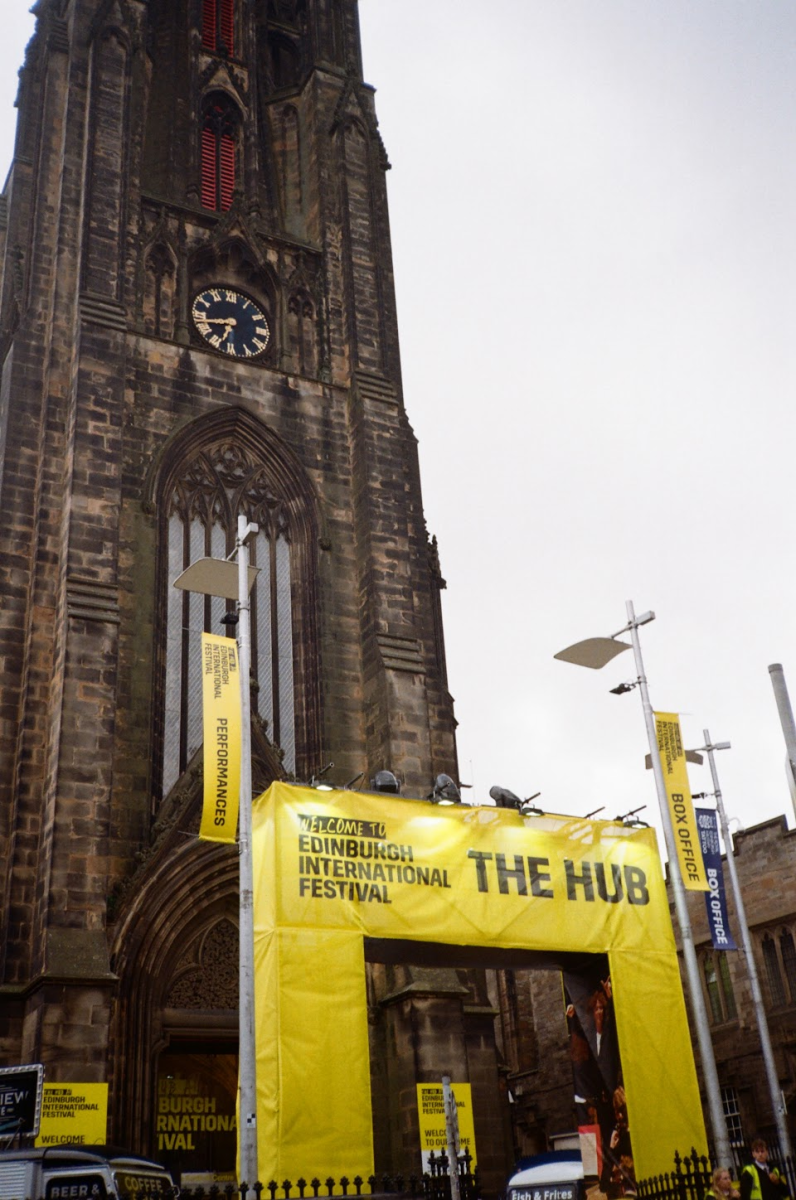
(198, 320)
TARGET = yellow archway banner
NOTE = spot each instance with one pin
(332, 868)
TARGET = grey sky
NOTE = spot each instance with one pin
(592, 207)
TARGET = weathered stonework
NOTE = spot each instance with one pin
(106, 390)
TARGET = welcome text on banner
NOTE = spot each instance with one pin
(221, 716)
(681, 806)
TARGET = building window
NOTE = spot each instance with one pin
(732, 1113)
(776, 988)
(788, 951)
(219, 151)
(718, 985)
(213, 487)
(218, 26)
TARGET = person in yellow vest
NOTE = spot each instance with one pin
(722, 1186)
(757, 1181)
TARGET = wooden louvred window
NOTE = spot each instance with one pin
(218, 26)
(226, 163)
(226, 25)
(218, 155)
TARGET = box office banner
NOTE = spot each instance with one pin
(681, 806)
(716, 898)
(221, 718)
(334, 870)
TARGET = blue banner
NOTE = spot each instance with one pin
(715, 899)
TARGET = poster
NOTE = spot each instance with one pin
(597, 1077)
(431, 1120)
(75, 1114)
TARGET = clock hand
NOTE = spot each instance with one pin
(229, 321)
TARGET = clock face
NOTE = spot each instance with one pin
(230, 322)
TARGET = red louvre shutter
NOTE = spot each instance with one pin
(209, 173)
(227, 25)
(227, 164)
(209, 24)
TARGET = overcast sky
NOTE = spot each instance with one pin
(593, 208)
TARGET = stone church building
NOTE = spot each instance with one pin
(197, 321)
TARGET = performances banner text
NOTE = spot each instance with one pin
(221, 714)
(681, 806)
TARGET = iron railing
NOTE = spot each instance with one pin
(690, 1177)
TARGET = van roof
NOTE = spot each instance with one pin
(556, 1166)
(71, 1155)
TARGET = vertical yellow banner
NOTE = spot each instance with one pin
(681, 806)
(221, 715)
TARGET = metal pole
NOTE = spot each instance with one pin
(775, 1091)
(452, 1135)
(247, 1068)
(786, 720)
(716, 1109)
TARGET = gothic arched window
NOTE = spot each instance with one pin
(285, 61)
(788, 951)
(301, 330)
(220, 120)
(719, 987)
(218, 26)
(776, 988)
(205, 494)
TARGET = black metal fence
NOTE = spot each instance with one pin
(690, 1177)
(435, 1184)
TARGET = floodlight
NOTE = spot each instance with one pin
(631, 820)
(314, 779)
(504, 798)
(385, 781)
(445, 791)
(529, 809)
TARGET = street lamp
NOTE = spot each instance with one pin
(234, 581)
(596, 653)
(777, 1102)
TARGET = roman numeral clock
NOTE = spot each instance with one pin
(231, 322)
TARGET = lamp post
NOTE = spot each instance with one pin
(788, 726)
(221, 577)
(596, 653)
(777, 1102)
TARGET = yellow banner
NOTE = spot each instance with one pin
(74, 1113)
(334, 868)
(431, 1119)
(681, 806)
(221, 713)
